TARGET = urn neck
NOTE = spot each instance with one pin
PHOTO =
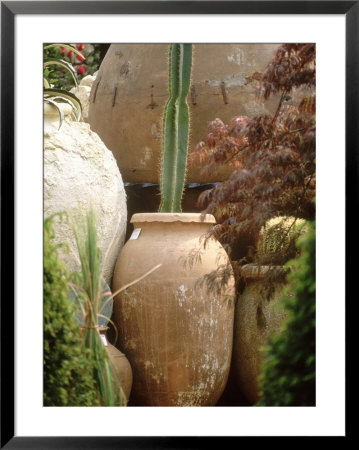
(176, 221)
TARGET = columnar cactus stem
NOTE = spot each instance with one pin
(175, 129)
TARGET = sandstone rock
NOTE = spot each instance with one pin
(81, 173)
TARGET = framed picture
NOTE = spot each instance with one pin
(25, 27)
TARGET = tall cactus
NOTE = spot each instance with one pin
(175, 128)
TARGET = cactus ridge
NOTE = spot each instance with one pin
(175, 128)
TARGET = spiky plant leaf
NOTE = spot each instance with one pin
(69, 47)
(61, 114)
(90, 256)
(76, 113)
(66, 96)
(62, 63)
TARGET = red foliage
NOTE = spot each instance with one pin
(293, 66)
(273, 156)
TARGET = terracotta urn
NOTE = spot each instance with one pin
(258, 315)
(121, 362)
(176, 332)
(131, 88)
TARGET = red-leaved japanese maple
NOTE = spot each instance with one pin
(273, 156)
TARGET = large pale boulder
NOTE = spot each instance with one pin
(81, 173)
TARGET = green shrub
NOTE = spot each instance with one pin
(277, 239)
(68, 372)
(288, 377)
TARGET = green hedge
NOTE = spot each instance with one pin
(288, 377)
(68, 371)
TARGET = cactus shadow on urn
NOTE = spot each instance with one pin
(176, 334)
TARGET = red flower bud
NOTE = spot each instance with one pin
(62, 50)
(80, 57)
(69, 53)
(81, 70)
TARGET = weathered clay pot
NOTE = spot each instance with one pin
(177, 335)
(131, 89)
(121, 362)
(258, 316)
(145, 198)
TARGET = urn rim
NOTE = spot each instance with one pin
(173, 217)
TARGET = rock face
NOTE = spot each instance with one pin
(81, 173)
(82, 92)
(131, 89)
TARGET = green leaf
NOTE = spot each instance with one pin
(69, 47)
(53, 103)
(66, 97)
(62, 63)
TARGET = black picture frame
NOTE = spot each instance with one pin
(9, 9)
